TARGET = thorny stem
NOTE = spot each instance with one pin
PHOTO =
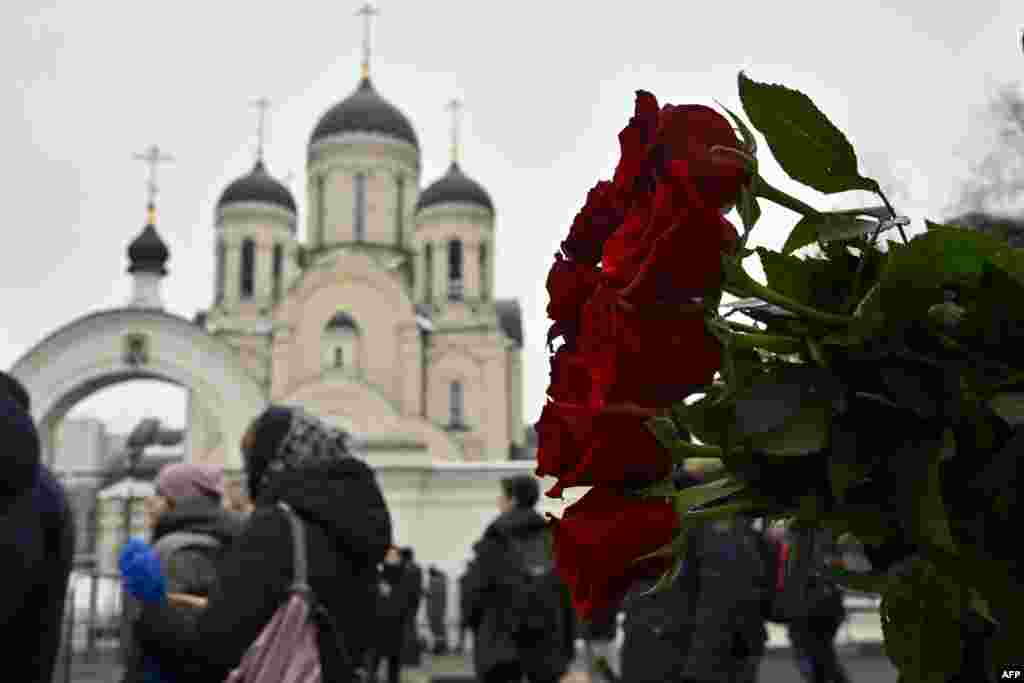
(762, 188)
(748, 287)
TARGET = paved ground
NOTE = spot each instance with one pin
(778, 667)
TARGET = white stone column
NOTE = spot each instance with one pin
(409, 378)
(232, 271)
(471, 268)
(263, 269)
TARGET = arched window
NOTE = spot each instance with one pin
(359, 219)
(278, 266)
(340, 343)
(455, 270)
(428, 272)
(456, 415)
(248, 263)
(484, 275)
(219, 280)
(399, 210)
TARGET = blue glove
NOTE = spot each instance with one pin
(140, 570)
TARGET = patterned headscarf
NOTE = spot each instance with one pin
(306, 443)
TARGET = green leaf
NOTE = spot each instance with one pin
(775, 398)
(707, 419)
(920, 615)
(803, 233)
(867, 582)
(748, 208)
(843, 475)
(827, 227)
(806, 144)
(807, 432)
(706, 493)
(666, 580)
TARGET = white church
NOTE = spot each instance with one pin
(380, 319)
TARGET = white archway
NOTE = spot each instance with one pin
(113, 346)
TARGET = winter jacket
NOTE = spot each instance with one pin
(658, 627)
(37, 544)
(393, 610)
(412, 652)
(437, 600)
(191, 569)
(487, 612)
(728, 615)
(348, 530)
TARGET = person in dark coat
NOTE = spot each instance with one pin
(729, 635)
(500, 656)
(658, 628)
(437, 609)
(293, 457)
(394, 603)
(813, 629)
(412, 653)
(464, 627)
(191, 531)
(37, 543)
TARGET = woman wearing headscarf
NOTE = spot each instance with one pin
(291, 457)
(191, 531)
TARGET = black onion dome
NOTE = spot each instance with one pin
(454, 186)
(367, 112)
(147, 253)
(258, 186)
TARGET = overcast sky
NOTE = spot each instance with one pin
(546, 85)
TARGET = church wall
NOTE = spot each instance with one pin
(266, 225)
(376, 312)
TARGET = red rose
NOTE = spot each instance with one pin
(581, 446)
(570, 376)
(689, 132)
(596, 221)
(634, 141)
(625, 250)
(598, 539)
(655, 360)
(685, 259)
(569, 285)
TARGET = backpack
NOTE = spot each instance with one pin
(800, 589)
(536, 598)
(299, 637)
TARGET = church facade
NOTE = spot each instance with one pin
(383, 319)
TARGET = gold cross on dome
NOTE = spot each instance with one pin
(262, 104)
(367, 12)
(455, 107)
(153, 157)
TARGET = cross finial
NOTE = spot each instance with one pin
(152, 156)
(262, 104)
(367, 11)
(455, 107)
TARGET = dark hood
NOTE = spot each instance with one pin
(342, 498)
(200, 516)
(20, 454)
(516, 522)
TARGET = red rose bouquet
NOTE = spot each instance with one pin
(872, 394)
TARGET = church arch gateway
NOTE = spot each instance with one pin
(114, 346)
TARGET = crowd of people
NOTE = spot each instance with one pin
(216, 576)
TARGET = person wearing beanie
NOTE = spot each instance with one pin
(37, 543)
(290, 457)
(190, 532)
(514, 601)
